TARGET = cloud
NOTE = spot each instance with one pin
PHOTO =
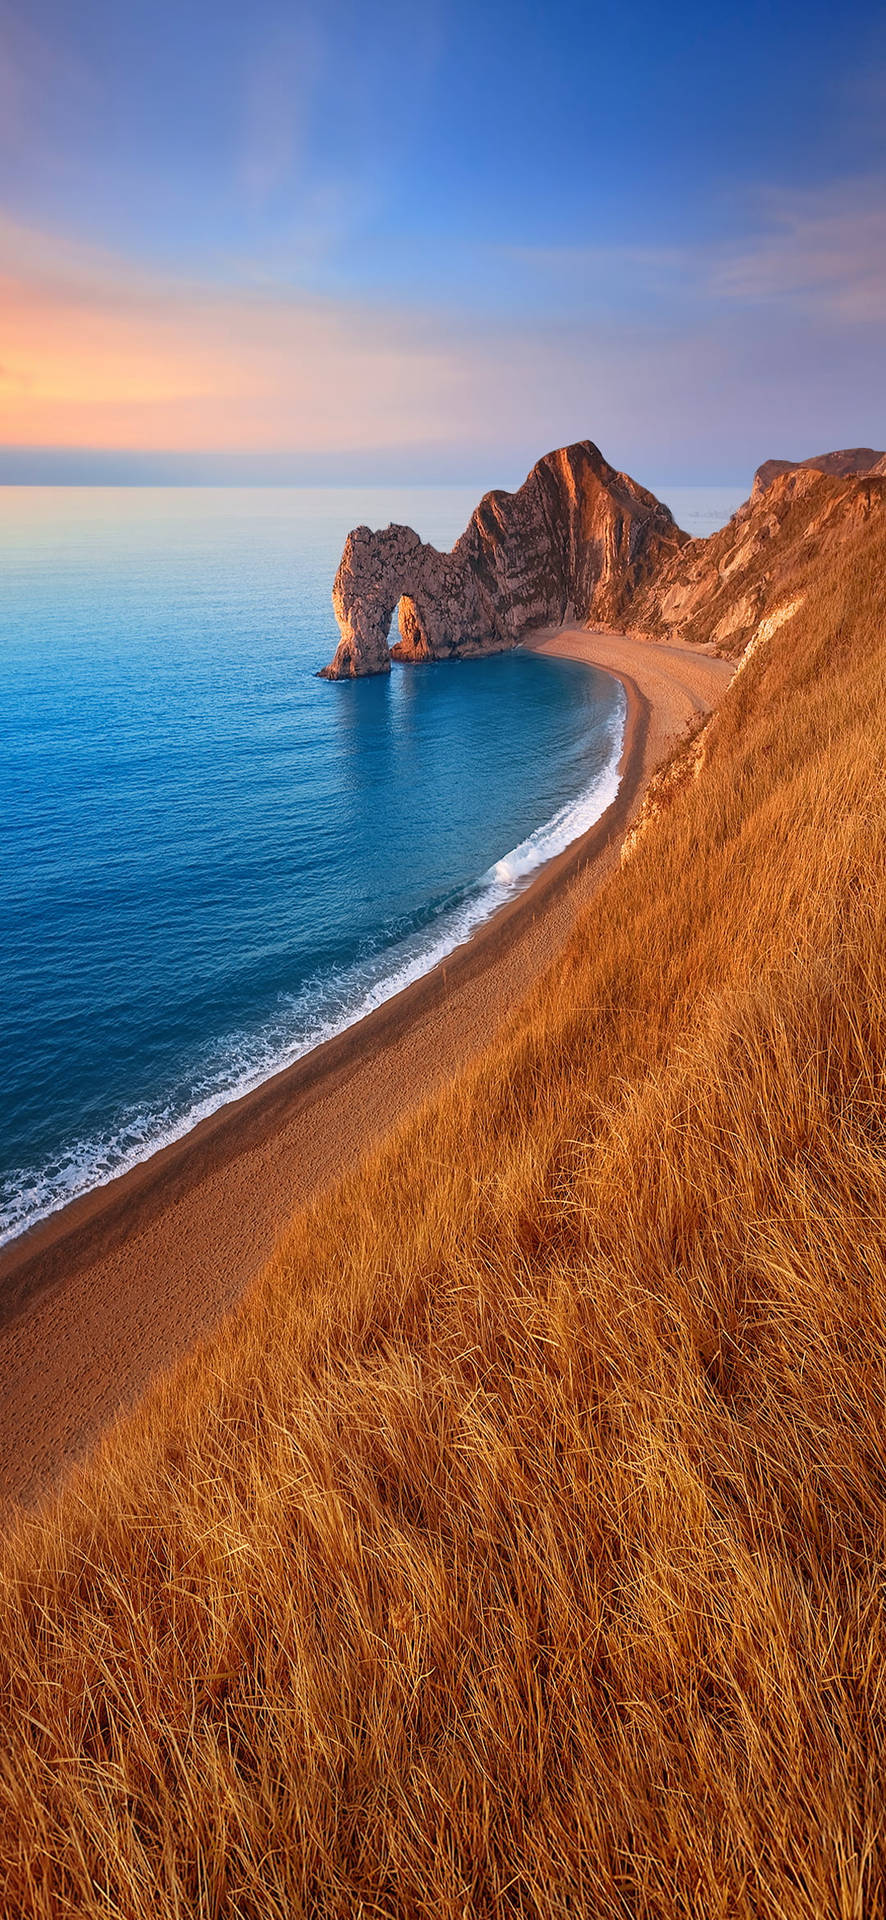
(109, 356)
(823, 252)
(279, 87)
(618, 265)
(319, 138)
(103, 353)
(44, 85)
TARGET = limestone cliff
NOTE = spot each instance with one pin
(577, 539)
(840, 465)
(715, 592)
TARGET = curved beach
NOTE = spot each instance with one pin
(111, 1290)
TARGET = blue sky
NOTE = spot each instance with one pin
(278, 241)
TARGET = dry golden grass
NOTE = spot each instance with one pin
(519, 1547)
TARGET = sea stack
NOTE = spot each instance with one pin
(578, 539)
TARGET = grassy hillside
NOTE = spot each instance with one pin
(719, 589)
(519, 1548)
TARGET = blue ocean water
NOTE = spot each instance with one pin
(701, 511)
(212, 860)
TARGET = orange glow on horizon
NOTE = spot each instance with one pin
(94, 353)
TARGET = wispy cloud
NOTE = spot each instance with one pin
(98, 352)
(43, 84)
(102, 353)
(317, 134)
(648, 262)
(823, 252)
(278, 92)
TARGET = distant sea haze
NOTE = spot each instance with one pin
(213, 860)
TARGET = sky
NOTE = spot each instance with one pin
(243, 240)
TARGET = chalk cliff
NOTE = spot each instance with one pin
(577, 539)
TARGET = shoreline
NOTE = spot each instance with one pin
(40, 1238)
(114, 1286)
(93, 1222)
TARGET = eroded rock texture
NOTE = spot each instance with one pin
(578, 539)
(847, 461)
(715, 592)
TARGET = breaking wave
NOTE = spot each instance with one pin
(323, 1008)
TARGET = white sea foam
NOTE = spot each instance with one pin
(567, 825)
(320, 1011)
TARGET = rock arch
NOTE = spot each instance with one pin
(577, 534)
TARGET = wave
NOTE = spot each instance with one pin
(320, 1011)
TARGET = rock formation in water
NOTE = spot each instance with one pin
(580, 541)
(716, 592)
(577, 540)
(840, 465)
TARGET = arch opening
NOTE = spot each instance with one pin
(413, 643)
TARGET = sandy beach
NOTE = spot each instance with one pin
(99, 1298)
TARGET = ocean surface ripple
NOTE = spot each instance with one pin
(213, 861)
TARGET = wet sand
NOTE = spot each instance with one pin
(114, 1288)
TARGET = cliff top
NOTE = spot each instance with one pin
(848, 460)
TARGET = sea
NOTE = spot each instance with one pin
(210, 860)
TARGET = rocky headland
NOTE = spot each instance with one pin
(577, 540)
(580, 541)
(718, 592)
(846, 461)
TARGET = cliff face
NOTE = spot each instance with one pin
(581, 541)
(577, 538)
(715, 592)
(847, 461)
